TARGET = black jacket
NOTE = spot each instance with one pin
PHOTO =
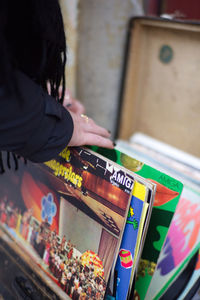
(32, 123)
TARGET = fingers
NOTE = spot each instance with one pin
(92, 140)
(72, 104)
(87, 132)
(92, 127)
(77, 106)
(67, 101)
(97, 140)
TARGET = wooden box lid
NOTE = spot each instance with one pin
(161, 84)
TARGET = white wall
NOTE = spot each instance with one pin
(101, 42)
(96, 33)
(70, 17)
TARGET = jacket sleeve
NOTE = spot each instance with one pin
(32, 123)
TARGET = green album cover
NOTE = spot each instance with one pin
(167, 195)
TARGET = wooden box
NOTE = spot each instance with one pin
(161, 83)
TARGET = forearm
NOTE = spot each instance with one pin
(32, 123)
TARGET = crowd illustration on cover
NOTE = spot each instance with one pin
(81, 277)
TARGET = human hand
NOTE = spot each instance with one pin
(71, 104)
(87, 132)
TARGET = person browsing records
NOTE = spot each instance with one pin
(38, 116)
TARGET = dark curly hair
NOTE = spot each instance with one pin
(32, 39)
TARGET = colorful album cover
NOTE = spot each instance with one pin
(126, 256)
(183, 241)
(193, 282)
(68, 214)
(168, 191)
(185, 227)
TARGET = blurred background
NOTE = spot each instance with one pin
(96, 36)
